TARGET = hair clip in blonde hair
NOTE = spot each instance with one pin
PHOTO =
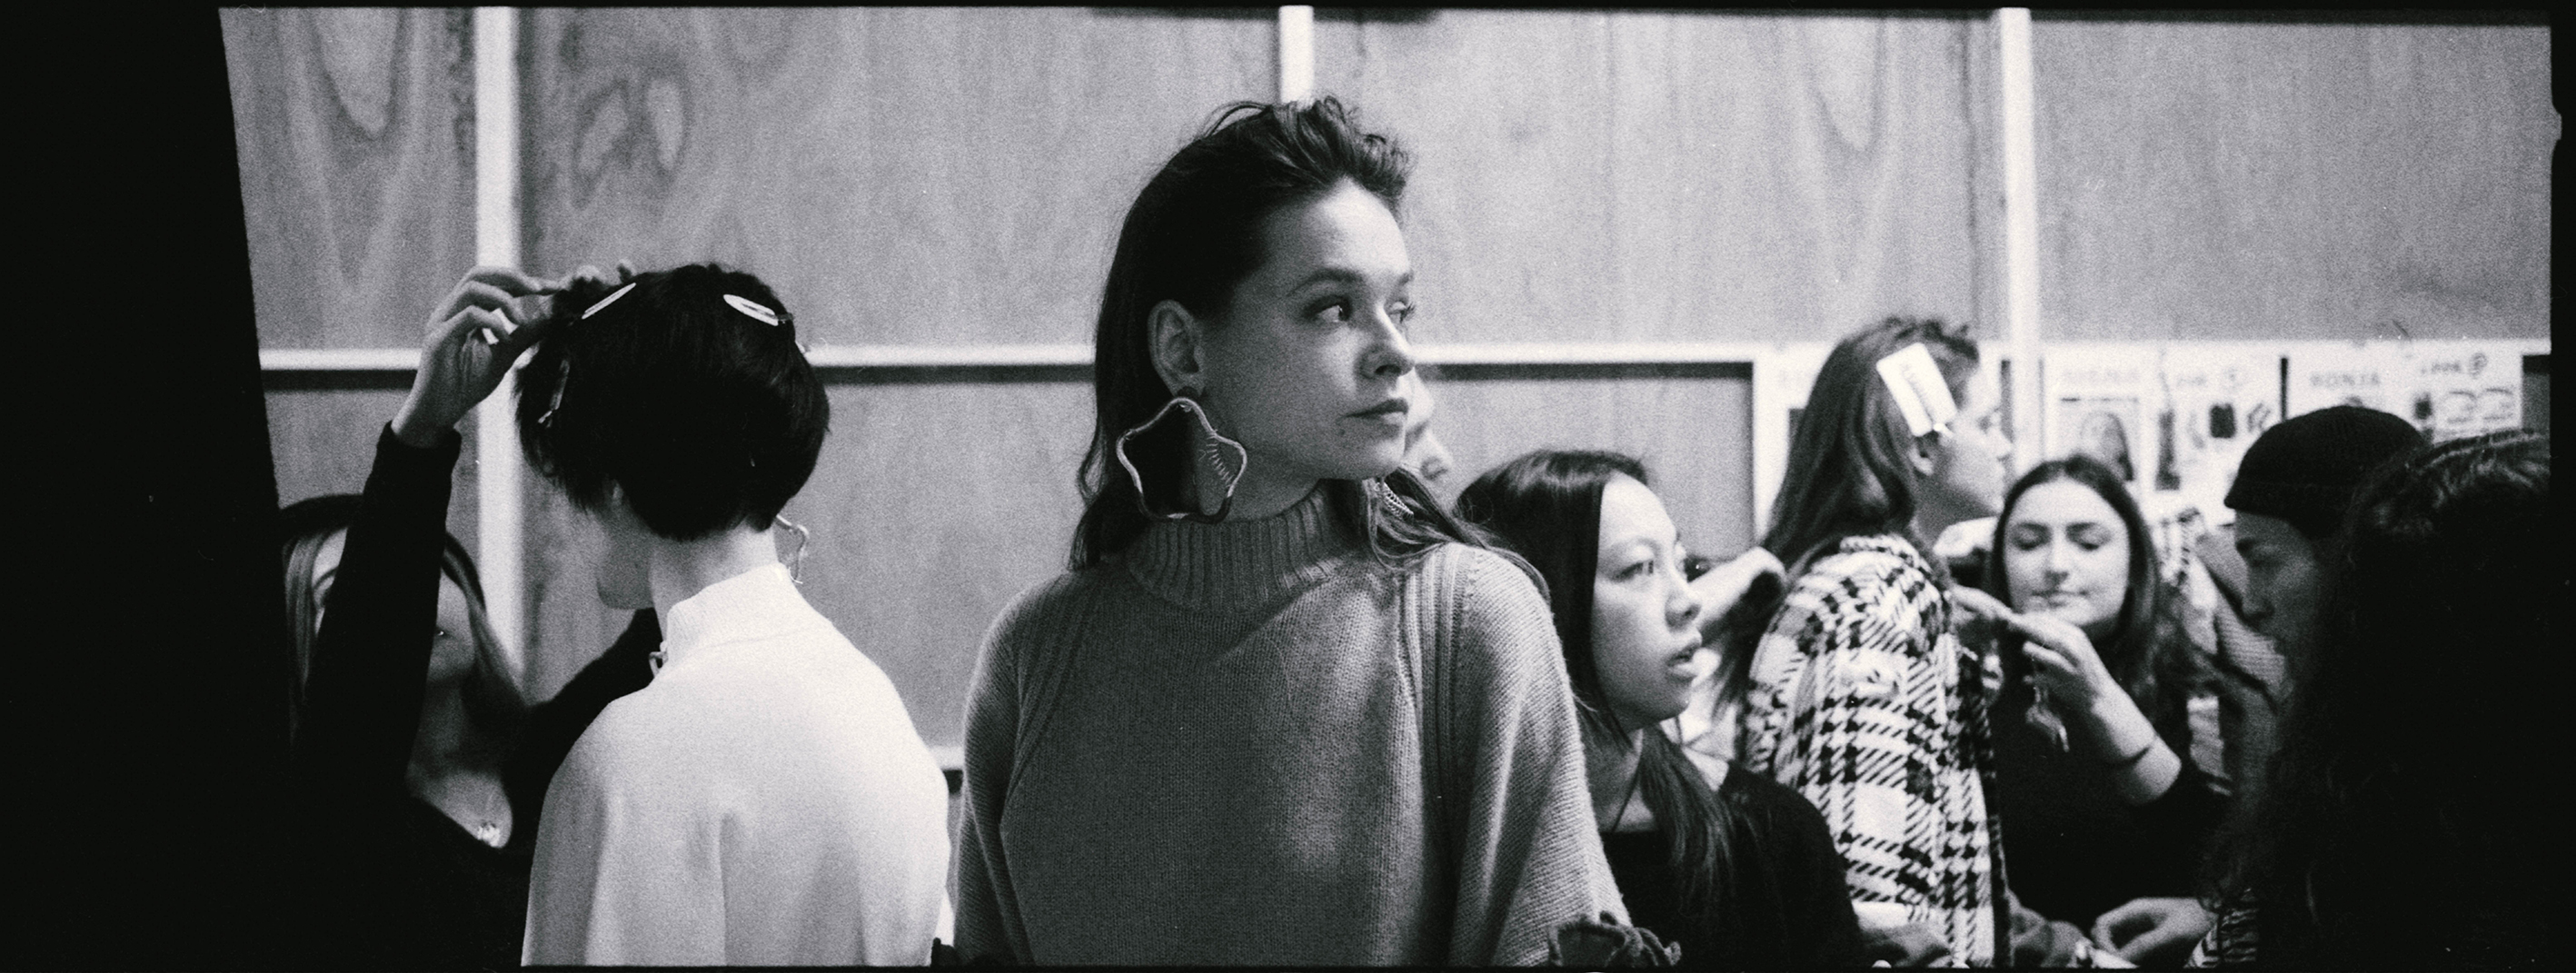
(606, 301)
(1916, 385)
(753, 309)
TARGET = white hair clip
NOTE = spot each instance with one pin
(753, 309)
(1915, 383)
(606, 301)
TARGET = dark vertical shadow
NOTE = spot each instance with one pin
(150, 670)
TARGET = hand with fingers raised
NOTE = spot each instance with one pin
(472, 339)
(2070, 674)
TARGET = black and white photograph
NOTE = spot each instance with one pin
(1293, 487)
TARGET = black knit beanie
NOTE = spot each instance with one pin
(2305, 470)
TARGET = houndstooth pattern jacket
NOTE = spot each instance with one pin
(1863, 700)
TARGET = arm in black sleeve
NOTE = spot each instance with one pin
(554, 726)
(362, 693)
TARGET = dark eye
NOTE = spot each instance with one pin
(2023, 540)
(1336, 311)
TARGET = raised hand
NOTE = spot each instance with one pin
(2064, 661)
(470, 342)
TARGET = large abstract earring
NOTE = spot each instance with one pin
(804, 539)
(1205, 490)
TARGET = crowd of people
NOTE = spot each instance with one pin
(1286, 708)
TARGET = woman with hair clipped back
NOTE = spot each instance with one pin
(765, 800)
(1861, 697)
(1282, 710)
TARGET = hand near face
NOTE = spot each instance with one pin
(2064, 661)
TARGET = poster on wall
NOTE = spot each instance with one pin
(2211, 403)
(2095, 396)
(1782, 378)
(2372, 376)
(2456, 391)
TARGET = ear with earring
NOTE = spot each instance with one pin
(804, 539)
(1202, 489)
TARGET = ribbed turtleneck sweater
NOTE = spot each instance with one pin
(1249, 743)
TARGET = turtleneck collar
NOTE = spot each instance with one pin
(756, 604)
(1242, 564)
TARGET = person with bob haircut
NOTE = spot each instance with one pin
(2107, 732)
(1283, 709)
(419, 765)
(765, 800)
(2397, 828)
(1734, 868)
(1860, 696)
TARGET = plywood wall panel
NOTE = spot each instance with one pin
(1676, 175)
(2219, 180)
(901, 176)
(322, 439)
(356, 134)
(1692, 427)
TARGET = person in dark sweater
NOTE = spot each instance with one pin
(418, 766)
(2111, 776)
(1737, 869)
(2403, 825)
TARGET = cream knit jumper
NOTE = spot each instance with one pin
(1243, 743)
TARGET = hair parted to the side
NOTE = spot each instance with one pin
(2394, 828)
(1192, 236)
(2148, 652)
(701, 415)
(493, 702)
(1546, 506)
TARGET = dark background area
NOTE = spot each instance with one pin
(148, 694)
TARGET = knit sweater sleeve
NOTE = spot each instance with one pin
(1527, 857)
(989, 930)
(1857, 719)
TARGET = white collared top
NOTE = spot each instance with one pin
(766, 801)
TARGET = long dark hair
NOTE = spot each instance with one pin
(2147, 651)
(1851, 473)
(494, 705)
(1546, 506)
(2395, 828)
(1191, 237)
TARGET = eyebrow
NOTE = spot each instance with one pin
(1345, 275)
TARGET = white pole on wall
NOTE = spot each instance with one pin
(2020, 130)
(1296, 53)
(496, 242)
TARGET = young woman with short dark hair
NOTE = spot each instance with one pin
(766, 800)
